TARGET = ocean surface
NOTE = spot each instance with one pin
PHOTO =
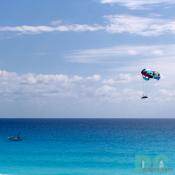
(87, 146)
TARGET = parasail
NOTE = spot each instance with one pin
(148, 74)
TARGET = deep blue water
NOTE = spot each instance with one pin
(84, 146)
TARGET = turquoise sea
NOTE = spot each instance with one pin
(87, 146)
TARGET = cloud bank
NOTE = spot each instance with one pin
(56, 95)
(43, 85)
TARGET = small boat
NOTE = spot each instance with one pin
(15, 138)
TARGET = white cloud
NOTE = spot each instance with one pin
(25, 29)
(121, 78)
(116, 24)
(58, 85)
(144, 26)
(119, 53)
(95, 77)
(138, 4)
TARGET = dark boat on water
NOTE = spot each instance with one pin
(15, 138)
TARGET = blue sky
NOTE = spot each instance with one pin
(83, 58)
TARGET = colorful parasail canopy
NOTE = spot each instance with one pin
(148, 74)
